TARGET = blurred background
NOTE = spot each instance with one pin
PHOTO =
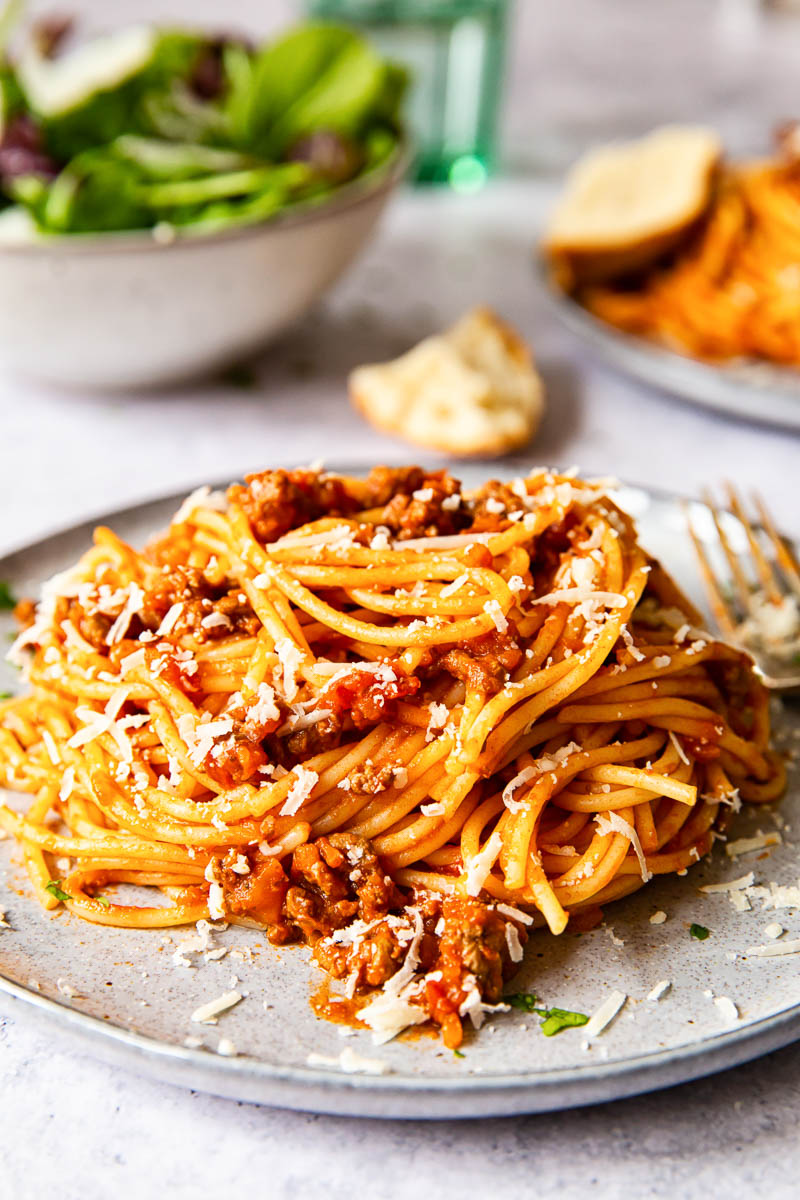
(576, 70)
(506, 96)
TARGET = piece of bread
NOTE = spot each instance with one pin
(625, 205)
(470, 391)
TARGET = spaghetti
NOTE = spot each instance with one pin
(397, 721)
(733, 290)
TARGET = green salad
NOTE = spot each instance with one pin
(162, 129)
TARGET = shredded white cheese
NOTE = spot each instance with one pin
(349, 1061)
(133, 605)
(437, 720)
(201, 497)
(604, 1015)
(659, 989)
(492, 608)
(524, 776)
(775, 950)
(516, 914)
(513, 942)
(613, 823)
(301, 789)
(747, 845)
(290, 657)
(730, 885)
(480, 865)
(207, 1013)
(727, 1009)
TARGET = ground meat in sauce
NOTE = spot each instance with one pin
(368, 700)
(335, 881)
(472, 943)
(260, 893)
(209, 611)
(486, 518)
(323, 735)
(275, 502)
(483, 663)
(234, 760)
(330, 883)
(369, 780)
(423, 512)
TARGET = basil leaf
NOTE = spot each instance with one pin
(699, 931)
(556, 1019)
(526, 1001)
(55, 889)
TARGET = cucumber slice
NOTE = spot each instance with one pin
(58, 86)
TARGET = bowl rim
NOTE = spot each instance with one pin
(365, 187)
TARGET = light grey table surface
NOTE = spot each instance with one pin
(74, 1127)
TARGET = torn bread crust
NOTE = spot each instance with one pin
(472, 390)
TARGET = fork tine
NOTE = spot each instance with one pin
(786, 559)
(715, 598)
(740, 582)
(763, 566)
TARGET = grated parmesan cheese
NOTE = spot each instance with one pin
(201, 497)
(682, 755)
(516, 914)
(432, 810)
(301, 789)
(513, 942)
(604, 1015)
(730, 885)
(290, 657)
(437, 721)
(207, 1013)
(660, 989)
(492, 608)
(775, 950)
(747, 845)
(480, 865)
(349, 1061)
(613, 823)
(133, 605)
(727, 1009)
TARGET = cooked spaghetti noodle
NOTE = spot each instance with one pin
(397, 721)
(733, 290)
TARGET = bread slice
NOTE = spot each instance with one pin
(625, 205)
(472, 390)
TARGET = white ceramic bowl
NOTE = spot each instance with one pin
(122, 310)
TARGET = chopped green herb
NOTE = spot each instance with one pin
(556, 1019)
(458, 1054)
(523, 1000)
(7, 598)
(553, 1019)
(106, 903)
(6, 695)
(699, 931)
(55, 889)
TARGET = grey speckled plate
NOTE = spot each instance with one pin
(749, 390)
(133, 1004)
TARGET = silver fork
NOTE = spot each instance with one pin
(758, 607)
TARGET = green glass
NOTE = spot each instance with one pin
(455, 52)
